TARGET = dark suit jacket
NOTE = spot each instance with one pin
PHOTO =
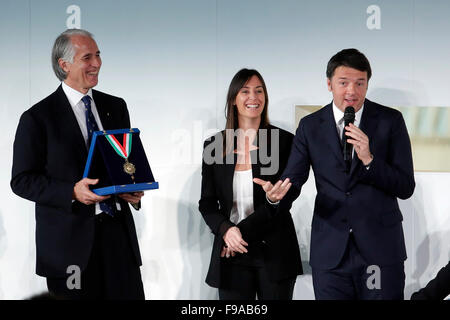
(363, 200)
(271, 227)
(436, 289)
(49, 158)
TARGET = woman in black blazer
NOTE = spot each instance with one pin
(255, 250)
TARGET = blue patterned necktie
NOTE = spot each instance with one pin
(106, 206)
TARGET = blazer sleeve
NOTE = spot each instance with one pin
(255, 226)
(436, 289)
(209, 206)
(297, 168)
(395, 175)
(29, 180)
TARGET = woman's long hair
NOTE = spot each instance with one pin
(231, 113)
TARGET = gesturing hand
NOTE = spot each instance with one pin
(233, 240)
(274, 192)
(360, 142)
(82, 193)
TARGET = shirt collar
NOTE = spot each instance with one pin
(338, 115)
(73, 95)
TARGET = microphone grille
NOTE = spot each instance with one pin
(349, 113)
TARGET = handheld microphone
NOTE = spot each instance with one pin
(349, 117)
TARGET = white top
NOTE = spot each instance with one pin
(242, 195)
(78, 108)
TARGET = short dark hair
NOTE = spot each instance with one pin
(351, 58)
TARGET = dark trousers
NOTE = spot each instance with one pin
(248, 282)
(112, 271)
(355, 279)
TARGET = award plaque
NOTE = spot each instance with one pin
(117, 158)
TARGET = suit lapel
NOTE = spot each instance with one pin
(228, 179)
(369, 123)
(328, 126)
(66, 118)
(103, 112)
(369, 119)
(228, 172)
(258, 192)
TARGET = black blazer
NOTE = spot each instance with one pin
(363, 200)
(49, 158)
(271, 227)
(436, 289)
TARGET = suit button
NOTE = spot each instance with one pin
(348, 193)
(263, 241)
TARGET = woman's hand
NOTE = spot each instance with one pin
(226, 252)
(233, 240)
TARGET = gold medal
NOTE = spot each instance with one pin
(124, 151)
(128, 167)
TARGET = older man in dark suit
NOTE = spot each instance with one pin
(75, 228)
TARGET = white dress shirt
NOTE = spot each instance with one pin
(339, 119)
(78, 108)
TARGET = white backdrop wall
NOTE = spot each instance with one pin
(172, 62)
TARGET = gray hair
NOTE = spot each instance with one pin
(63, 49)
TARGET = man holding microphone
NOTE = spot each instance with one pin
(357, 242)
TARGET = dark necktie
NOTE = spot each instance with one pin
(106, 206)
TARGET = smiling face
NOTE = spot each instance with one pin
(82, 74)
(349, 87)
(250, 101)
